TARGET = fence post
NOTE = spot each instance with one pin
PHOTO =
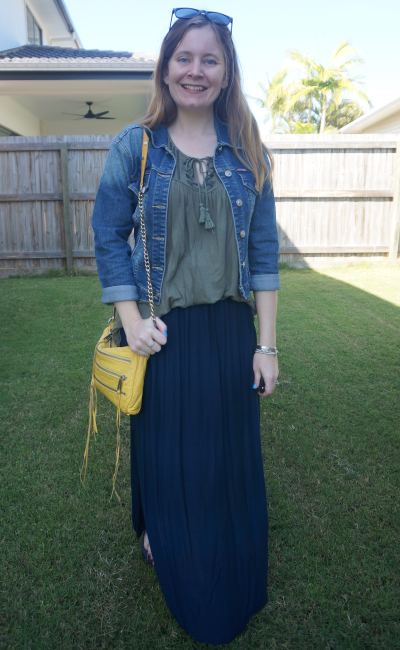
(395, 220)
(66, 205)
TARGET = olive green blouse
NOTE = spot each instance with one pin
(202, 264)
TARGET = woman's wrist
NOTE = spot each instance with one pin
(128, 312)
(266, 304)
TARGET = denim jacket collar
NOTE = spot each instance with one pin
(159, 134)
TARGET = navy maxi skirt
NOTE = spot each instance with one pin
(197, 475)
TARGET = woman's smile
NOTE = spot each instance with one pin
(192, 88)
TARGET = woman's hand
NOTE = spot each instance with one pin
(143, 338)
(141, 335)
(266, 366)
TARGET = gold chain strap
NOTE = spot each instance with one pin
(146, 255)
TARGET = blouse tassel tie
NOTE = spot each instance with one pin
(205, 216)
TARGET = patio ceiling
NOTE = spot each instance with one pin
(49, 101)
(40, 85)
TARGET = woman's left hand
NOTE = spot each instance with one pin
(266, 366)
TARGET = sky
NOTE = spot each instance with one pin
(263, 34)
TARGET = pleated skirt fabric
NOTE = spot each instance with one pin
(197, 475)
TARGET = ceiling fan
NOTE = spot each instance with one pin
(90, 115)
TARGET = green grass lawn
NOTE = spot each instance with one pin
(72, 573)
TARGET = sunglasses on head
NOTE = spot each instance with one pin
(214, 16)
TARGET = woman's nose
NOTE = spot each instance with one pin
(195, 70)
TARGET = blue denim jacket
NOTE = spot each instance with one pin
(121, 270)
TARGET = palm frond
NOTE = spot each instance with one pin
(307, 93)
(344, 56)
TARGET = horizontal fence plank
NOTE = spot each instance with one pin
(283, 250)
(307, 250)
(88, 146)
(42, 255)
(279, 194)
(275, 146)
(17, 198)
(330, 144)
(54, 196)
(333, 194)
(30, 146)
(53, 146)
(91, 196)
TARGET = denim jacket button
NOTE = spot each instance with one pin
(243, 265)
(228, 173)
(239, 202)
(219, 149)
(242, 234)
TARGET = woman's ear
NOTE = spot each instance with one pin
(224, 83)
(165, 76)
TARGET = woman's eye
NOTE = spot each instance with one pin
(183, 59)
(210, 62)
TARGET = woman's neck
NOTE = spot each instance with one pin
(194, 134)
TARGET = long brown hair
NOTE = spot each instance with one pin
(231, 107)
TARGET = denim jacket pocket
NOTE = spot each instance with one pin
(248, 181)
(134, 186)
(137, 253)
(249, 186)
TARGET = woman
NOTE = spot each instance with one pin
(198, 492)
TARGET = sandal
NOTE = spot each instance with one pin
(147, 556)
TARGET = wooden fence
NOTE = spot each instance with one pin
(337, 198)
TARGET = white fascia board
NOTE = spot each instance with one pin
(371, 118)
(83, 68)
(76, 64)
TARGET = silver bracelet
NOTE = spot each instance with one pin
(266, 349)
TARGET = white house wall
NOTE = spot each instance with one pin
(13, 23)
(390, 125)
(81, 127)
(17, 118)
(13, 26)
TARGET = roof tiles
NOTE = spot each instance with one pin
(44, 56)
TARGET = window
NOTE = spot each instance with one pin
(4, 131)
(34, 31)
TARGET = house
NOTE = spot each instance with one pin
(51, 85)
(380, 120)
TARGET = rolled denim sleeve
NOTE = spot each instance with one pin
(112, 224)
(263, 243)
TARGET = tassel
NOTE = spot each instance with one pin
(91, 429)
(94, 389)
(209, 222)
(118, 447)
(202, 214)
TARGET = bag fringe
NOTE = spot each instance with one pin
(92, 428)
(118, 422)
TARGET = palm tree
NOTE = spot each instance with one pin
(318, 94)
(336, 117)
(346, 112)
(274, 99)
(328, 84)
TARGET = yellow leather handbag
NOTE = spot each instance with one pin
(117, 372)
